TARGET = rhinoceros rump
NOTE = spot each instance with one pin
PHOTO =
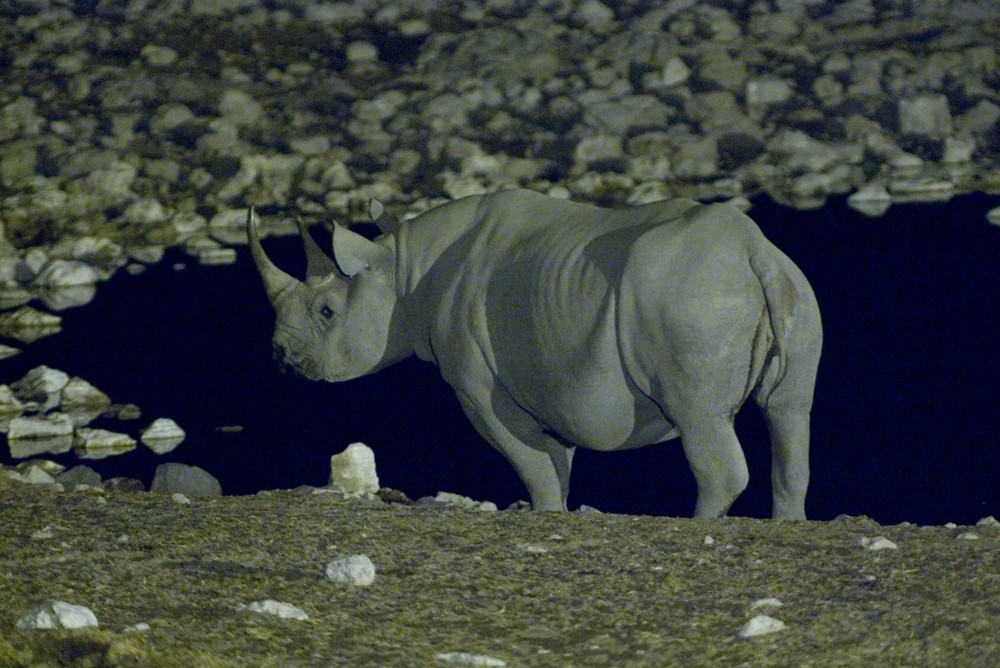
(560, 325)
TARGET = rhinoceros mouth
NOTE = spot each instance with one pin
(303, 368)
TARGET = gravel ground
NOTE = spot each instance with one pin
(527, 589)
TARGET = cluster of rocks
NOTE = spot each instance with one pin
(175, 479)
(47, 411)
(126, 128)
(352, 472)
(118, 113)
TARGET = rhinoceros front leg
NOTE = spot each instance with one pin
(542, 463)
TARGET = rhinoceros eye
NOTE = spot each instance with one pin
(326, 312)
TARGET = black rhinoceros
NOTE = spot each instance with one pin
(561, 324)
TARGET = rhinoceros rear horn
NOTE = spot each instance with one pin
(318, 264)
(275, 280)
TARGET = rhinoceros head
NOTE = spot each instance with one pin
(335, 325)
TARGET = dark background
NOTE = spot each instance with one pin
(906, 425)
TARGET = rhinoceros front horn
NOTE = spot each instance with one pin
(275, 280)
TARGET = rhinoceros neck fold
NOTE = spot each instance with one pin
(422, 240)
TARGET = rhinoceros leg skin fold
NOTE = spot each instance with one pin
(717, 461)
(542, 463)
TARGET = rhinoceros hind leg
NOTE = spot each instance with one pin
(789, 429)
(717, 461)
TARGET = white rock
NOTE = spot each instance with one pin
(239, 108)
(44, 533)
(37, 434)
(989, 521)
(361, 52)
(33, 476)
(993, 216)
(356, 569)
(217, 256)
(767, 91)
(968, 535)
(43, 385)
(709, 540)
(162, 436)
(101, 443)
(9, 403)
(597, 149)
(878, 543)
(594, 15)
(82, 401)
(958, 150)
(353, 470)
(158, 56)
(79, 392)
(141, 627)
(276, 608)
(145, 211)
(469, 659)
(57, 614)
(925, 115)
(674, 72)
(47, 465)
(761, 625)
(180, 499)
(871, 200)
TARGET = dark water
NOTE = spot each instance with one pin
(906, 420)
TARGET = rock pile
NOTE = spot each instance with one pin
(115, 113)
(47, 411)
(121, 134)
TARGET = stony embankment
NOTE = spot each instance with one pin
(129, 127)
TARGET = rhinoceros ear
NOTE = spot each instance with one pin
(385, 223)
(353, 252)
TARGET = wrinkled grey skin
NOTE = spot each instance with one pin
(560, 324)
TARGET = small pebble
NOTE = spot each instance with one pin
(761, 625)
(468, 659)
(276, 608)
(878, 543)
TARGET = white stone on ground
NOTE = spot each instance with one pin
(356, 569)
(57, 614)
(761, 625)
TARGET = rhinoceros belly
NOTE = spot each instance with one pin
(601, 416)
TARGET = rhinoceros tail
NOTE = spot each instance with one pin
(794, 318)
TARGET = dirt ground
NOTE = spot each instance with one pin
(522, 588)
